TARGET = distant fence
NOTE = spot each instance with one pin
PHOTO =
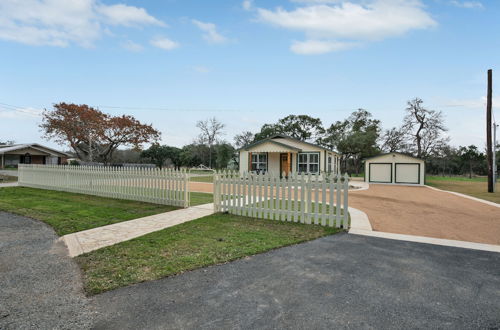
(157, 186)
(310, 199)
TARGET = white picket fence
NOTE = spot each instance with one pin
(150, 185)
(310, 199)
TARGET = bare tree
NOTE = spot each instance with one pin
(394, 139)
(243, 139)
(425, 127)
(211, 130)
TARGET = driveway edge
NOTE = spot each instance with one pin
(466, 196)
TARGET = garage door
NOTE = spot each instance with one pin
(380, 172)
(407, 173)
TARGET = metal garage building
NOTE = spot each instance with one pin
(395, 168)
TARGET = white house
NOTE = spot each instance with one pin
(395, 168)
(284, 154)
(34, 153)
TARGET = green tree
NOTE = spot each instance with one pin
(224, 152)
(157, 153)
(394, 140)
(302, 127)
(354, 138)
(243, 139)
(470, 157)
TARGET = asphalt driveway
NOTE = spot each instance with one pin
(340, 281)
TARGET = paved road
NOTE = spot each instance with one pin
(341, 281)
(40, 286)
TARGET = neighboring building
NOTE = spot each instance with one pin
(396, 168)
(12, 155)
(284, 154)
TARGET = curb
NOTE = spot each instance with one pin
(466, 196)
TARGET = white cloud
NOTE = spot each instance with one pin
(211, 35)
(314, 47)
(346, 21)
(467, 4)
(201, 69)
(132, 46)
(121, 14)
(63, 22)
(164, 43)
(247, 4)
(316, 1)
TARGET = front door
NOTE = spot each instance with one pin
(285, 164)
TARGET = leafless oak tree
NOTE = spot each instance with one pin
(211, 129)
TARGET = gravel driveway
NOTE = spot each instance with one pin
(423, 211)
(40, 285)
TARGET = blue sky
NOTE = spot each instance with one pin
(173, 62)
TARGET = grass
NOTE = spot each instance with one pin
(208, 178)
(456, 178)
(206, 241)
(7, 178)
(207, 172)
(475, 187)
(198, 198)
(68, 212)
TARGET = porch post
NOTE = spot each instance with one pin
(249, 162)
(3, 161)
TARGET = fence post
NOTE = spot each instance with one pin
(346, 203)
(216, 192)
(187, 201)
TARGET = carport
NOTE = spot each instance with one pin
(395, 168)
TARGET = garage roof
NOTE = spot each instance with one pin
(392, 153)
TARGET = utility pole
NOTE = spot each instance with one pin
(495, 156)
(488, 130)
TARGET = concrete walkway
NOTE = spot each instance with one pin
(96, 238)
(8, 184)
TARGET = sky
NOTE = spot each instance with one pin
(171, 63)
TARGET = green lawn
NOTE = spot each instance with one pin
(69, 212)
(199, 198)
(207, 241)
(456, 178)
(475, 187)
(207, 178)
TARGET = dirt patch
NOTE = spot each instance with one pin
(425, 212)
(201, 187)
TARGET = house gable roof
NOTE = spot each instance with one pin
(36, 146)
(271, 139)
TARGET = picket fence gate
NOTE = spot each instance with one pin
(311, 199)
(151, 185)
